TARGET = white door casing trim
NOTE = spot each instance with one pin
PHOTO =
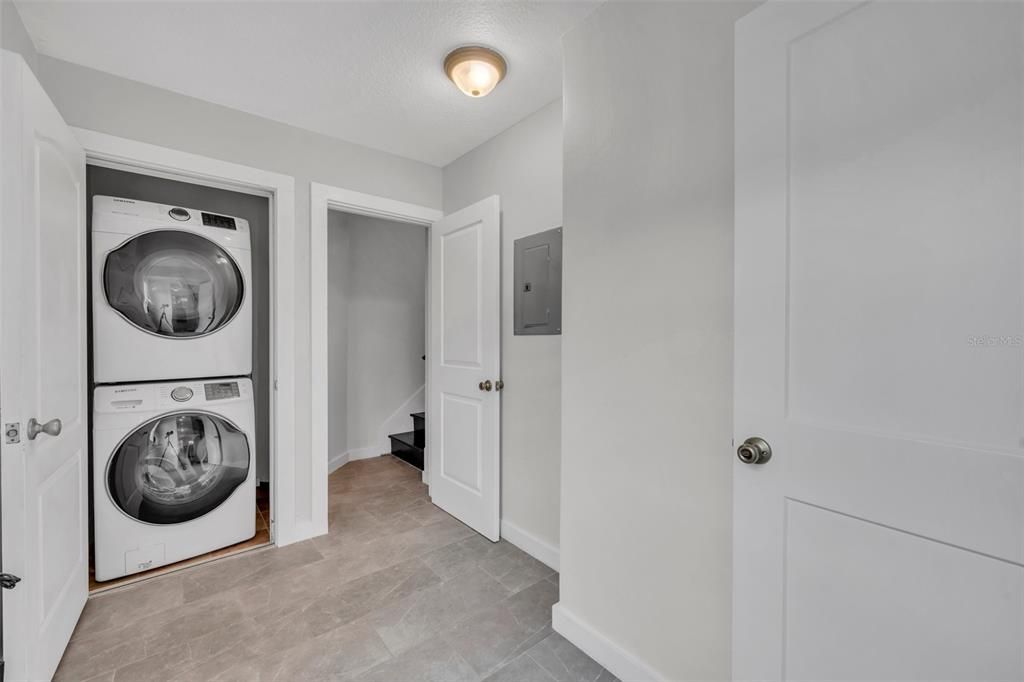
(323, 198)
(111, 151)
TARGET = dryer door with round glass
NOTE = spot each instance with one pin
(177, 467)
(173, 283)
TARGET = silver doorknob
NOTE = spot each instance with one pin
(754, 451)
(50, 428)
(486, 385)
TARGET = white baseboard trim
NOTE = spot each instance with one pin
(540, 550)
(365, 453)
(614, 658)
(335, 462)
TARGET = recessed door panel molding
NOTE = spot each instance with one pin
(460, 455)
(59, 219)
(60, 499)
(462, 296)
(464, 366)
(936, 289)
(878, 331)
(964, 608)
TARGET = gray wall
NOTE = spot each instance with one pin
(337, 334)
(523, 165)
(256, 210)
(377, 326)
(99, 101)
(13, 35)
(647, 349)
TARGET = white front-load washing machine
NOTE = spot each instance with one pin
(171, 292)
(173, 472)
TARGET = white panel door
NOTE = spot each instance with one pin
(879, 340)
(464, 405)
(42, 376)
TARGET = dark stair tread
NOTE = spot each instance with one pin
(413, 439)
(418, 415)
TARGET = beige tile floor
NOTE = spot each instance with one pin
(397, 591)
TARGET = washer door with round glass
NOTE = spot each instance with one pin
(173, 283)
(177, 467)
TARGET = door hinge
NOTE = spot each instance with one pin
(9, 580)
(12, 433)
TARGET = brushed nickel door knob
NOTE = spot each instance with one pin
(50, 428)
(754, 450)
(486, 385)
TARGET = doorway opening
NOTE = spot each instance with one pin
(377, 275)
(325, 202)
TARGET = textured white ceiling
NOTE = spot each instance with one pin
(367, 72)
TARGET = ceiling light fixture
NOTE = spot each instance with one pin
(475, 69)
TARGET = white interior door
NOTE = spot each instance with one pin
(879, 339)
(42, 376)
(464, 403)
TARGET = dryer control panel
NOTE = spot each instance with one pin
(129, 216)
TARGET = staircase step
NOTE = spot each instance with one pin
(409, 447)
(411, 438)
(419, 421)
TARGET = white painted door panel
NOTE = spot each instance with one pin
(463, 421)
(42, 375)
(879, 339)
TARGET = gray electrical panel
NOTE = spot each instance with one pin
(537, 282)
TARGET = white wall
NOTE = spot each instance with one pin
(647, 348)
(377, 332)
(524, 166)
(106, 103)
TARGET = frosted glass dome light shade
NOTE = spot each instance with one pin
(475, 70)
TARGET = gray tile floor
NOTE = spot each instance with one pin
(398, 590)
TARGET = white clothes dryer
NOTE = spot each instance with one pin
(171, 292)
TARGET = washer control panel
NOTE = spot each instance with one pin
(156, 397)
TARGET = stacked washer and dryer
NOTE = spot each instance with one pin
(173, 409)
